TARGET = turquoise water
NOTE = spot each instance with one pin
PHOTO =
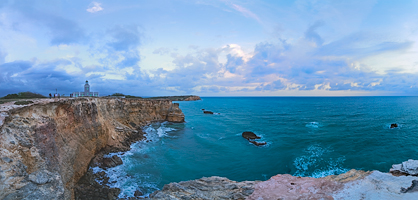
(306, 136)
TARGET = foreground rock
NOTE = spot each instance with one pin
(206, 189)
(409, 167)
(354, 184)
(46, 146)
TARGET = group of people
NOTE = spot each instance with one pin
(55, 96)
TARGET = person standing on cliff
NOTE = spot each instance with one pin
(50, 95)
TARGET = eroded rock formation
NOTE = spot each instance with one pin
(409, 167)
(206, 189)
(354, 184)
(46, 147)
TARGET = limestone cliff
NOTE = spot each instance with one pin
(47, 146)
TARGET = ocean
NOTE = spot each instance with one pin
(306, 136)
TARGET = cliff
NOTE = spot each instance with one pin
(46, 146)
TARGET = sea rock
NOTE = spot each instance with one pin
(207, 188)
(409, 167)
(258, 143)
(393, 125)
(250, 135)
(111, 162)
(207, 112)
(138, 193)
(175, 114)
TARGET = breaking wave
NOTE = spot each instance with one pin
(316, 163)
(126, 176)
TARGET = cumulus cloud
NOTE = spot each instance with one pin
(94, 7)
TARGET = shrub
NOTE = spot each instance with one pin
(117, 94)
(23, 95)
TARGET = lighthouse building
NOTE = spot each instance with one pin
(86, 92)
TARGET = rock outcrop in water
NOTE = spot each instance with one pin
(250, 136)
(393, 125)
(46, 146)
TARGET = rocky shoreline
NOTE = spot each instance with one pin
(49, 147)
(354, 184)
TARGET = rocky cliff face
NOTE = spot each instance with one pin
(46, 147)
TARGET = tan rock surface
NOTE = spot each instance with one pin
(285, 186)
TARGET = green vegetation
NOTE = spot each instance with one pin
(126, 96)
(117, 95)
(23, 95)
(132, 97)
(172, 98)
(23, 102)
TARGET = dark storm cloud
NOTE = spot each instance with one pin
(26, 76)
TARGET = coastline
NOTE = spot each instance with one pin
(112, 125)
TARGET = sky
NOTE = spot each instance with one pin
(210, 47)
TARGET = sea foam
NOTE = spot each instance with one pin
(130, 180)
(316, 163)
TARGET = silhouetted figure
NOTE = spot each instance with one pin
(50, 95)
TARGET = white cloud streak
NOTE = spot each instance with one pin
(95, 7)
(245, 12)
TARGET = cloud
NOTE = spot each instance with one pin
(245, 12)
(2, 56)
(94, 7)
(60, 29)
(312, 35)
(161, 51)
(124, 37)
